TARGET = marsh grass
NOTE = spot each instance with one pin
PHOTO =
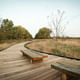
(76, 49)
(68, 47)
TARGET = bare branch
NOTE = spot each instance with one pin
(56, 24)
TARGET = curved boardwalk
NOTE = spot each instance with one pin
(15, 66)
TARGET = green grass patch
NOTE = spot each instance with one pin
(76, 49)
(58, 52)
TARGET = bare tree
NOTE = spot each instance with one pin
(57, 24)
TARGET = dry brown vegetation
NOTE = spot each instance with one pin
(6, 43)
(68, 47)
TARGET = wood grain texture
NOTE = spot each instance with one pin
(68, 67)
(15, 66)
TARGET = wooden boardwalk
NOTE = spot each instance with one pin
(15, 66)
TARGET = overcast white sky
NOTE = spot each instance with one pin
(32, 14)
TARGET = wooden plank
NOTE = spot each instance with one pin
(34, 55)
(70, 63)
(68, 69)
(42, 54)
(27, 66)
(30, 54)
(19, 67)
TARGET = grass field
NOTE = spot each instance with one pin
(68, 47)
(6, 43)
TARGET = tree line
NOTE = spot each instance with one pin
(9, 31)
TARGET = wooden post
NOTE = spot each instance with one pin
(64, 76)
(31, 61)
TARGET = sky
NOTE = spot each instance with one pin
(32, 14)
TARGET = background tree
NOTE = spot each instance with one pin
(44, 33)
(6, 27)
(20, 33)
(2, 35)
(8, 31)
(57, 24)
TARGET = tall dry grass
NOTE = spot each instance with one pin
(68, 47)
(7, 43)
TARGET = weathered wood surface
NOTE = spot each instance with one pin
(15, 66)
(70, 67)
(34, 55)
(43, 54)
(30, 54)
